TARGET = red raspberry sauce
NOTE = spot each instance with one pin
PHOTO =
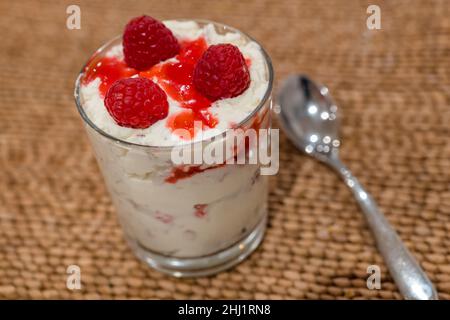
(184, 172)
(176, 78)
(200, 210)
(109, 70)
(164, 217)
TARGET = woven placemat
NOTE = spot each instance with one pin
(393, 86)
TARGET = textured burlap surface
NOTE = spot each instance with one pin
(393, 86)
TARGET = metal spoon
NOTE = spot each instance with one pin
(309, 118)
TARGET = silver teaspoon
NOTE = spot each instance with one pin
(310, 119)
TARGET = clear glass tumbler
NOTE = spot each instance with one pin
(184, 220)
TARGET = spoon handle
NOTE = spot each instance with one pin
(411, 280)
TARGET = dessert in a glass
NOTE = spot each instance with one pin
(180, 84)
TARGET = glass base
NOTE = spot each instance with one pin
(206, 265)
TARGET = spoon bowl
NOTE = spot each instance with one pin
(313, 127)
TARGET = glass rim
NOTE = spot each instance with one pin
(255, 111)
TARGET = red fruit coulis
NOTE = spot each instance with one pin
(200, 210)
(183, 172)
(164, 217)
(176, 78)
(109, 70)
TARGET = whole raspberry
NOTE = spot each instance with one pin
(146, 41)
(136, 102)
(221, 72)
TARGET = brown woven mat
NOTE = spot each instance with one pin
(393, 86)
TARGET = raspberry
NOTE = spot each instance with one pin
(221, 72)
(146, 41)
(136, 102)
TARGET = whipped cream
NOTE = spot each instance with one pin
(228, 112)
